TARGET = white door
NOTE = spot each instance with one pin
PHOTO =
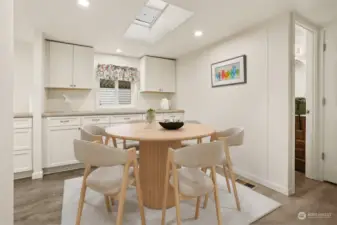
(83, 76)
(310, 169)
(330, 109)
(60, 65)
(60, 147)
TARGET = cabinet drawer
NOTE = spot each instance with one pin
(174, 116)
(22, 161)
(63, 121)
(125, 118)
(22, 123)
(22, 139)
(95, 120)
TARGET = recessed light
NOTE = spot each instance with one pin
(198, 33)
(118, 50)
(84, 3)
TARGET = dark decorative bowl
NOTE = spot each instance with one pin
(171, 125)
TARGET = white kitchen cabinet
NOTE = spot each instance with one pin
(60, 145)
(126, 118)
(22, 145)
(69, 66)
(60, 65)
(95, 120)
(83, 76)
(59, 137)
(22, 161)
(173, 116)
(60, 132)
(157, 74)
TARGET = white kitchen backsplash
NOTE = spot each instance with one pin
(85, 100)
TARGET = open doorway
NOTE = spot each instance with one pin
(306, 152)
(301, 96)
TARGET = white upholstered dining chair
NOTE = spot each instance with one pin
(190, 142)
(231, 137)
(112, 176)
(94, 133)
(132, 144)
(189, 181)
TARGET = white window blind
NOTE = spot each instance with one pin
(114, 93)
(124, 92)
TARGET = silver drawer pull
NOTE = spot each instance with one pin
(96, 120)
(127, 118)
(64, 121)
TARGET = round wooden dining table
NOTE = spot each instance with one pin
(154, 142)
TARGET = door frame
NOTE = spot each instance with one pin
(313, 159)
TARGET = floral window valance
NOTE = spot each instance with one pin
(113, 72)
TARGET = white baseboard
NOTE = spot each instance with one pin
(263, 182)
(37, 175)
(59, 169)
(22, 175)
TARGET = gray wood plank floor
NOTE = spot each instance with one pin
(39, 202)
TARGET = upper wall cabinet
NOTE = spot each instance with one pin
(69, 66)
(157, 74)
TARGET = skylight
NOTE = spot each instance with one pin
(156, 19)
(150, 13)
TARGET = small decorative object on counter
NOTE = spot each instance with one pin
(151, 116)
(165, 104)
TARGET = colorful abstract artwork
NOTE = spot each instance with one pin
(229, 72)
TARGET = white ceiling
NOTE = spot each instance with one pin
(104, 23)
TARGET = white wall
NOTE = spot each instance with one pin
(300, 79)
(85, 100)
(23, 76)
(6, 113)
(261, 106)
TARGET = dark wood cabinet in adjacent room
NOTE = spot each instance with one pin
(300, 143)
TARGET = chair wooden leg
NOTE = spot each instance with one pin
(107, 203)
(216, 197)
(206, 196)
(122, 195)
(197, 208)
(81, 204)
(227, 179)
(112, 200)
(139, 192)
(176, 193)
(233, 179)
(166, 186)
(82, 195)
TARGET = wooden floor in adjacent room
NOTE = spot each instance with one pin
(39, 202)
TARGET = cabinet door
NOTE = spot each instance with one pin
(22, 139)
(157, 74)
(22, 161)
(60, 147)
(83, 67)
(168, 77)
(60, 65)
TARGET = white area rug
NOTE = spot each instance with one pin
(253, 207)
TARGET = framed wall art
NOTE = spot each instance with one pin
(229, 72)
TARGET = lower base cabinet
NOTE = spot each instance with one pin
(22, 145)
(60, 145)
(22, 161)
(60, 132)
(58, 141)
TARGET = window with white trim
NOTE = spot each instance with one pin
(114, 93)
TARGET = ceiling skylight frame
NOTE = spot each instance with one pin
(149, 25)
